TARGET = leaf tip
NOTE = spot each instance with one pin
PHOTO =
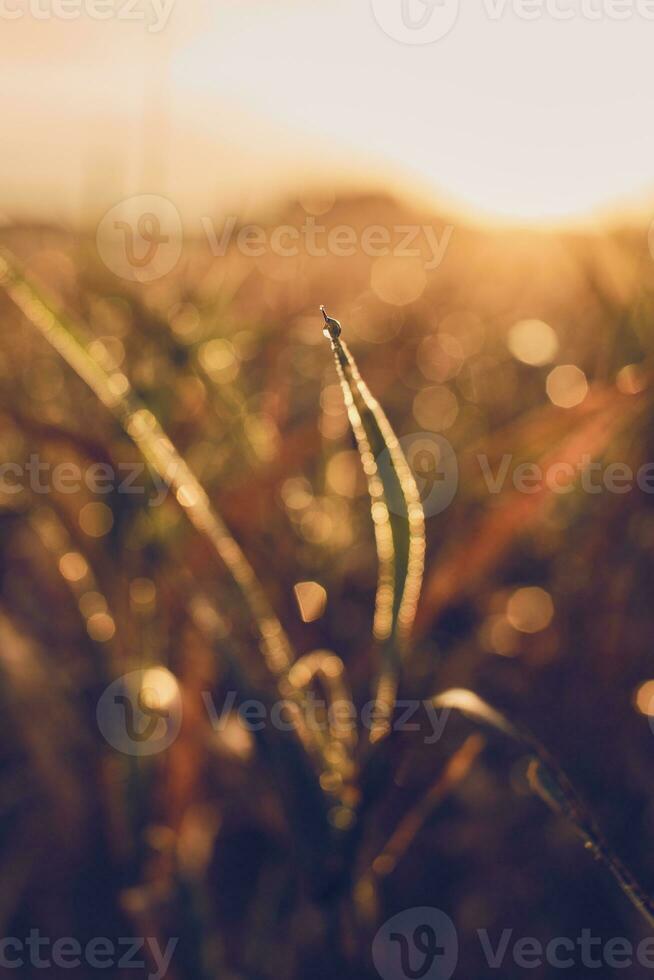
(332, 328)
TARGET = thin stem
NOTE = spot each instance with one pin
(404, 835)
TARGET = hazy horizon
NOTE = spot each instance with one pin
(228, 109)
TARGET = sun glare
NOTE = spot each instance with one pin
(238, 104)
(529, 143)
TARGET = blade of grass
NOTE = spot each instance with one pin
(410, 825)
(551, 783)
(301, 791)
(113, 389)
(340, 738)
(398, 522)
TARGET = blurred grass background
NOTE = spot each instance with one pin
(228, 354)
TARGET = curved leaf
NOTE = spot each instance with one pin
(550, 782)
(398, 521)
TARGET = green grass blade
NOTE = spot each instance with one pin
(398, 522)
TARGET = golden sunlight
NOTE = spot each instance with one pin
(499, 118)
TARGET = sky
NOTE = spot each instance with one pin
(519, 110)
